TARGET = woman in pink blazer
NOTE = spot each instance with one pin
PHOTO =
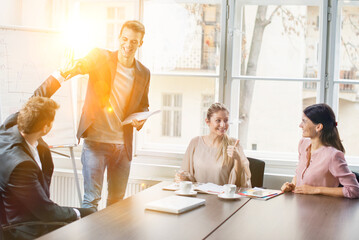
(322, 168)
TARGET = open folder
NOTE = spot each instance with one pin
(260, 193)
(139, 116)
(175, 204)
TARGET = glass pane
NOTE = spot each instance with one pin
(167, 100)
(173, 132)
(177, 123)
(277, 41)
(347, 117)
(111, 13)
(182, 36)
(269, 118)
(178, 100)
(349, 43)
(166, 118)
(207, 100)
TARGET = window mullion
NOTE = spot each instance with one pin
(331, 50)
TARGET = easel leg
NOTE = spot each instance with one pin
(75, 173)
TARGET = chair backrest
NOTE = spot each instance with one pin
(256, 167)
(357, 176)
(3, 220)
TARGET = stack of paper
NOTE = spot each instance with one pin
(261, 194)
(209, 188)
(139, 116)
(172, 187)
(175, 204)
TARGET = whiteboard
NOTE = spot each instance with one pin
(27, 58)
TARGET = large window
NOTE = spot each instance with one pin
(265, 59)
(275, 72)
(346, 75)
(183, 49)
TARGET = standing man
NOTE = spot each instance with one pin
(117, 87)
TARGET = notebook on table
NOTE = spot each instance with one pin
(175, 204)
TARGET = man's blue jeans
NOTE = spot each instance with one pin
(95, 158)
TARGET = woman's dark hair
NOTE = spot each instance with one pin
(322, 113)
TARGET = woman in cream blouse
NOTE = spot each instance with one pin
(216, 158)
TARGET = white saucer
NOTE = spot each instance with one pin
(191, 193)
(223, 196)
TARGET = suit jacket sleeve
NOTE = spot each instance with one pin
(26, 187)
(51, 84)
(48, 88)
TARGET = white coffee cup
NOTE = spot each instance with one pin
(185, 186)
(229, 190)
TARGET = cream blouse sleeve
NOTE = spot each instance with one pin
(187, 163)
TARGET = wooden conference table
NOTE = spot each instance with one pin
(289, 216)
(294, 216)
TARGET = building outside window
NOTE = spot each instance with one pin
(207, 100)
(171, 115)
(346, 76)
(182, 49)
(114, 23)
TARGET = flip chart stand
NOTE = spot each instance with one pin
(72, 157)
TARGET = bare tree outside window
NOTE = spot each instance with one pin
(292, 25)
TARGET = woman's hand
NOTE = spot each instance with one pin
(306, 189)
(181, 175)
(234, 151)
(287, 187)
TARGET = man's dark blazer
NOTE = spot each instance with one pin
(24, 187)
(101, 66)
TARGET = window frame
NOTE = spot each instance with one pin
(278, 162)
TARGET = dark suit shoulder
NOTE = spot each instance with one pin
(100, 53)
(142, 68)
(98, 58)
(11, 159)
(9, 122)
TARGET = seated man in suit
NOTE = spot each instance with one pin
(26, 170)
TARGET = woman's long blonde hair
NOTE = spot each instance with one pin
(214, 108)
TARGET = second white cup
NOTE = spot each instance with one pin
(229, 190)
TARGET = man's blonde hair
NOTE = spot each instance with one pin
(36, 113)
